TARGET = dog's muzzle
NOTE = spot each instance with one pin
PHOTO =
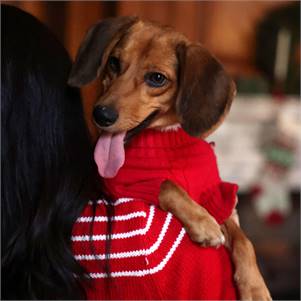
(141, 126)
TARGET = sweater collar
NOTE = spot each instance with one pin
(166, 138)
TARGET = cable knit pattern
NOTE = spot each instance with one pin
(151, 256)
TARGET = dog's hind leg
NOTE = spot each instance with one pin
(248, 278)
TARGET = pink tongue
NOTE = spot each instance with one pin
(109, 154)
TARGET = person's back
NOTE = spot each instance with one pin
(46, 162)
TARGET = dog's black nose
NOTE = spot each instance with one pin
(104, 116)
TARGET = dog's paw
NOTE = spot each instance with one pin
(252, 289)
(206, 231)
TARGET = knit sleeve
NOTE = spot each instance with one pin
(220, 200)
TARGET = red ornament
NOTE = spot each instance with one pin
(274, 218)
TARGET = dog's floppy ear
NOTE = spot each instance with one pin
(96, 47)
(205, 90)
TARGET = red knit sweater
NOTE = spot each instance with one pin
(151, 255)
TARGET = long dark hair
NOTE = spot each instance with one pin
(47, 168)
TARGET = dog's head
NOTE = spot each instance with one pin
(152, 77)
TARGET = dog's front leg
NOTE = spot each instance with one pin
(199, 224)
(248, 278)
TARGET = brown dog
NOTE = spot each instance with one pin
(154, 77)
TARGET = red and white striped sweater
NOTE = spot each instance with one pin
(151, 255)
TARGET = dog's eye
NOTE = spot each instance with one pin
(114, 64)
(155, 79)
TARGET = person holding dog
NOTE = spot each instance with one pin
(48, 173)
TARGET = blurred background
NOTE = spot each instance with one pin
(259, 145)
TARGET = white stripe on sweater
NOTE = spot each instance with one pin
(116, 203)
(123, 235)
(141, 273)
(135, 253)
(126, 217)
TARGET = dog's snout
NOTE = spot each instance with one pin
(105, 116)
